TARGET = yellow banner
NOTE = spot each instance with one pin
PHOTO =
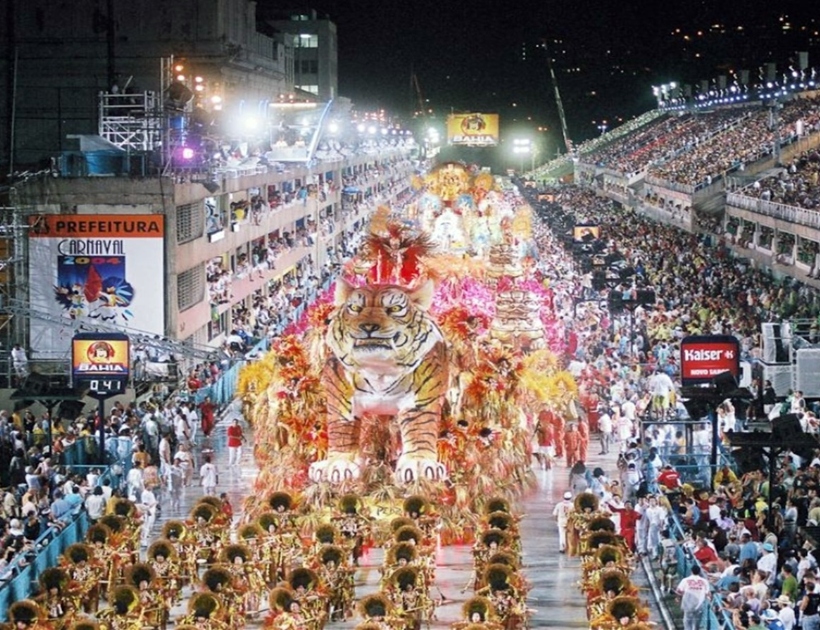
(476, 130)
(100, 357)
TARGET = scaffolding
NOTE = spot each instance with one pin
(11, 269)
(133, 122)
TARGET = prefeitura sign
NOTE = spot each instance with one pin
(702, 357)
(94, 268)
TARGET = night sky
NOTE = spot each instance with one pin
(483, 56)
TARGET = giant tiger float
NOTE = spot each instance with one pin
(419, 376)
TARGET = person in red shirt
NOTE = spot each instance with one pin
(206, 411)
(707, 556)
(669, 478)
(629, 523)
(235, 440)
(226, 508)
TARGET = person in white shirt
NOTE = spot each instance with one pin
(561, 513)
(19, 361)
(208, 476)
(193, 419)
(134, 481)
(605, 427)
(786, 614)
(693, 591)
(148, 507)
(767, 563)
(95, 504)
(661, 387)
(181, 428)
(656, 520)
(628, 409)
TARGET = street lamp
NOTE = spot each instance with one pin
(523, 147)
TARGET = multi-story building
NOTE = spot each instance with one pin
(202, 183)
(313, 40)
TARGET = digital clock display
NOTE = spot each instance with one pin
(105, 386)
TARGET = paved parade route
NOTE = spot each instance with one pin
(555, 597)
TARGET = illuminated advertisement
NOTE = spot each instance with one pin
(99, 355)
(474, 130)
(586, 233)
(702, 357)
(96, 269)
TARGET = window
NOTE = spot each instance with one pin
(313, 89)
(190, 222)
(309, 66)
(218, 325)
(306, 40)
(190, 287)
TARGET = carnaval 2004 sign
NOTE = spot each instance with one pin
(702, 357)
(95, 268)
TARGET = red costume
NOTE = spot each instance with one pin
(629, 522)
(590, 404)
(235, 436)
(583, 444)
(207, 410)
(572, 442)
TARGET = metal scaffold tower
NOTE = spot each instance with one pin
(133, 122)
(11, 271)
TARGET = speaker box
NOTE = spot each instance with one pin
(774, 350)
(787, 428)
(36, 384)
(645, 297)
(725, 382)
(70, 409)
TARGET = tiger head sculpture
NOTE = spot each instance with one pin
(383, 328)
(388, 358)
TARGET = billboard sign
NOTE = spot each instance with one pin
(100, 361)
(472, 130)
(99, 269)
(702, 357)
(586, 233)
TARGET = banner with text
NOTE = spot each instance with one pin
(702, 357)
(473, 130)
(94, 268)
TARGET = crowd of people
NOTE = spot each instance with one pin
(740, 145)
(666, 139)
(759, 565)
(796, 184)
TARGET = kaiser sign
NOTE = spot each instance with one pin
(702, 357)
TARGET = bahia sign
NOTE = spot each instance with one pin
(702, 357)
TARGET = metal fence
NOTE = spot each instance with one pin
(19, 579)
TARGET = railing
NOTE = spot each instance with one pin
(715, 615)
(17, 581)
(782, 211)
(223, 391)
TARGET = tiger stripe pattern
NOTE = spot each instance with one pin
(389, 358)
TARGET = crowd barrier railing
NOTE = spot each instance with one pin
(18, 579)
(223, 390)
(715, 615)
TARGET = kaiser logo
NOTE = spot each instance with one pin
(704, 357)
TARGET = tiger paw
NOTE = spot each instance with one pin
(334, 470)
(410, 469)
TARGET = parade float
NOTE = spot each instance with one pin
(422, 372)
